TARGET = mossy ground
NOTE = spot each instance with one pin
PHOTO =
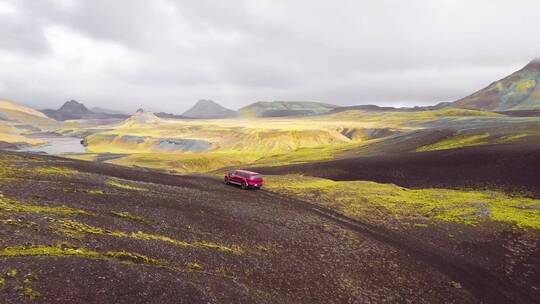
(124, 185)
(10, 205)
(367, 200)
(65, 250)
(78, 230)
(457, 142)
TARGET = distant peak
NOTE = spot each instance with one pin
(206, 102)
(74, 106)
(140, 110)
(72, 103)
(206, 108)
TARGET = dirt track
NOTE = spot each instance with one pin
(295, 252)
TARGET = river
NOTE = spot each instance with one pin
(59, 145)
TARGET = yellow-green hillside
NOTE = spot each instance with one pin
(206, 145)
(267, 134)
(13, 112)
(406, 119)
(380, 202)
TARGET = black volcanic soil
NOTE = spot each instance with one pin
(513, 168)
(294, 252)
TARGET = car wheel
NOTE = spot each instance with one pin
(245, 186)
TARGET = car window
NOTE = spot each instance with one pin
(256, 176)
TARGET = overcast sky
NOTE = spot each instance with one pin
(165, 55)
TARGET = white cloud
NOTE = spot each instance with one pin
(167, 54)
(8, 8)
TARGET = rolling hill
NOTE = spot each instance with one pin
(285, 108)
(16, 120)
(14, 112)
(518, 92)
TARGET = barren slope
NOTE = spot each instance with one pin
(77, 232)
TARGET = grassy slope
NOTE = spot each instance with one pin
(371, 201)
(10, 134)
(14, 115)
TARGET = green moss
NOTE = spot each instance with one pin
(8, 170)
(95, 192)
(195, 267)
(61, 250)
(28, 291)
(63, 171)
(20, 223)
(11, 205)
(12, 273)
(2, 281)
(525, 85)
(134, 258)
(457, 142)
(510, 138)
(118, 184)
(127, 215)
(374, 201)
(78, 230)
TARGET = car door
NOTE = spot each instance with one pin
(241, 176)
(234, 177)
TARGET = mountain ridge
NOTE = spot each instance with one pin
(72, 110)
(519, 91)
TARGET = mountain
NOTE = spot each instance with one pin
(106, 111)
(208, 109)
(285, 108)
(76, 110)
(518, 92)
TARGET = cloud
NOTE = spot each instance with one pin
(167, 54)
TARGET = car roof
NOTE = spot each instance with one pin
(247, 172)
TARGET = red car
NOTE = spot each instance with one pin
(246, 179)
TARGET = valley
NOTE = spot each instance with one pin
(361, 204)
